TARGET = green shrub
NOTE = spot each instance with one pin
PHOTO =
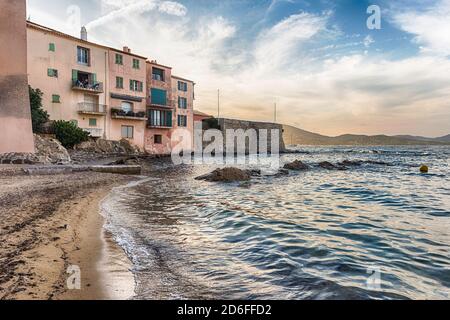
(69, 134)
(38, 115)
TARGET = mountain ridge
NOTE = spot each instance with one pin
(296, 136)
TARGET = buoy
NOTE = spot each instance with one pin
(424, 169)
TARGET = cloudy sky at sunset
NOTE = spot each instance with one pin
(316, 59)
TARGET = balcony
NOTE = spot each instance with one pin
(87, 86)
(133, 116)
(94, 132)
(170, 104)
(92, 108)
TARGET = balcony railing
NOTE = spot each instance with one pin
(169, 104)
(94, 132)
(91, 86)
(92, 108)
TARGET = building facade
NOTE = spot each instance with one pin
(127, 96)
(160, 109)
(15, 118)
(112, 94)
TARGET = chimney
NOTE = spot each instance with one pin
(84, 34)
(126, 49)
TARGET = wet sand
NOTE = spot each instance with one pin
(50, 223)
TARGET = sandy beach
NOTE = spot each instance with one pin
(50, 223)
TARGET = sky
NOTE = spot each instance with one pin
(317, 60)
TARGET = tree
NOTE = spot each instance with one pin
(69, 134)
(38, 115)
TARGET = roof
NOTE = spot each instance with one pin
(153, 62)
(179, 78)
(36, 26)
(199, 113)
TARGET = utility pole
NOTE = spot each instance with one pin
(275, 113)
(218, 103)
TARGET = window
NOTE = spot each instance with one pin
(136, 86)
(182, 103)
(126, 106)
(160, 118)
(51, 47)
(92, 122)
(158, 97)
(83, 56)
(158, 139)
(52, 73)
(119, 82)
(119, 59)
(158, 74)
(127, 132)
(182, 86)
(56, 98)
(182, 121)
(136, 64)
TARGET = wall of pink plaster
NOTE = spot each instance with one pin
(15, 119)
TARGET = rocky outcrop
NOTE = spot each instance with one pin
(296, 166)
(47, 151)
(226, 175)
(108, 147)
(50, 150)
(329, 166)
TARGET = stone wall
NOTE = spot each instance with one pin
(226, 124)
(15, 119)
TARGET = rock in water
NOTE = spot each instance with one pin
(329, 166)
(296, 166)
(226, 175)
(349, 163)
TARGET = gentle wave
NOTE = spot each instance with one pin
(309, 235)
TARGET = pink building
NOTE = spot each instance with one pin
(127, 96)
(112, 94)
(160, 109)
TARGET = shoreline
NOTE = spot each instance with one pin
(50, 223)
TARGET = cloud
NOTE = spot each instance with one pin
(368, 40)
(125, 9)
(430, 27)
(278, 45)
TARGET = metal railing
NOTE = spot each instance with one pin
(94, 132)
(93, 86)
(86, 107)
(169, 103)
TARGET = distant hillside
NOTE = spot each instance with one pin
(297, 136)
(439, 139)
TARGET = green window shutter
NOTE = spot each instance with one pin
(50, 72)
(51, 47)
(74, 75)
(159, 97)
(94, 78)
(131, 85)
(56, 98)
(92, 122)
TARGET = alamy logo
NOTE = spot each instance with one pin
(374, 280)
(230, 147)
(74, 279)
(374, 20)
